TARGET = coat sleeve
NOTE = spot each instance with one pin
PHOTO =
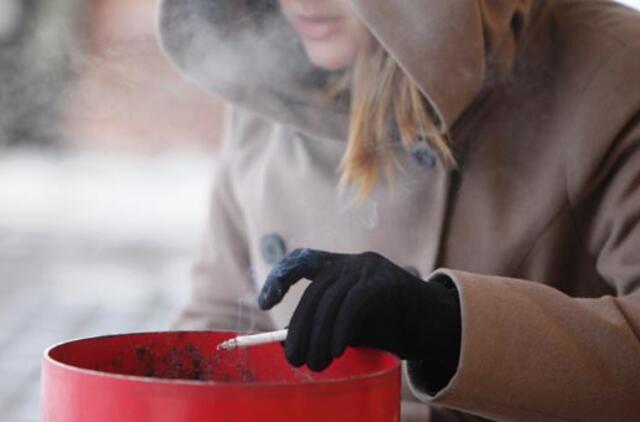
(529, 351)
(223, 295)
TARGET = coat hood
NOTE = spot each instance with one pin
(245, 51)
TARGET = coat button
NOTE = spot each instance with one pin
(273, 248)
(423, 155)
(413, 271)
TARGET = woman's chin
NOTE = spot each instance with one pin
(326, 58)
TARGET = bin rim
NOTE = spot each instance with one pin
(49, 360)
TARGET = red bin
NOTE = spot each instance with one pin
(179, 376)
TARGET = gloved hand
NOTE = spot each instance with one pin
(366, 300)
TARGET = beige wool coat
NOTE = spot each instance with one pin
(539, 226)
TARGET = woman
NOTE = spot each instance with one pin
(497, 139)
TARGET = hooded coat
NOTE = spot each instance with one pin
(538, 226)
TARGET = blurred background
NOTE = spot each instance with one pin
(105, 163)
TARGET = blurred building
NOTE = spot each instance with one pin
(37, 39)
(90, 73)
(127, 94)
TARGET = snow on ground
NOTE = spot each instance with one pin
(111, 196)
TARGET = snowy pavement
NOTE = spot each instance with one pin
(90, 244)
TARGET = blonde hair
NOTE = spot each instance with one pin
(383, 103)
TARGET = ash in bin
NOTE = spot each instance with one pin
(188, 363)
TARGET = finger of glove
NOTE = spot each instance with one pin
(349, 317)
(320, 354)
(301, 263)
(301, 324)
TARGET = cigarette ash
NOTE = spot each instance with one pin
(183, 363)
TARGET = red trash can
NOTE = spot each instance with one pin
(179, 376)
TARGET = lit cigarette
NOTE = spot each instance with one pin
(253, 340)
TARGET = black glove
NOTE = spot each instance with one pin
(366, 300)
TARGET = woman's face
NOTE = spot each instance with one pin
(330, 31)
